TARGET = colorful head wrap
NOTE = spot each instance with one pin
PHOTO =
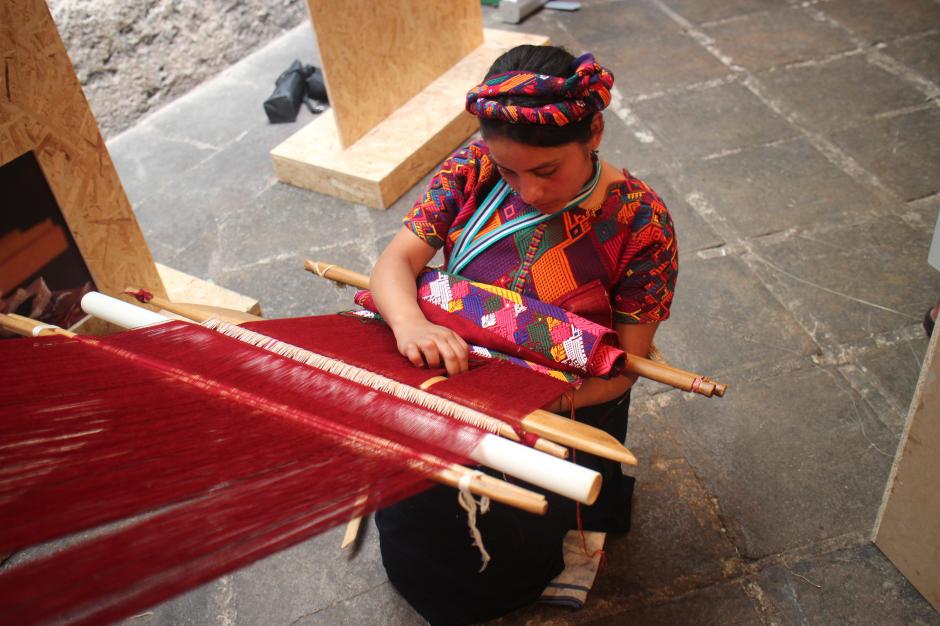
(582, 94)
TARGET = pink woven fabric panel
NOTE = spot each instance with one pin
(506, 321)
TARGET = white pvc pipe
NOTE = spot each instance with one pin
(540, 469)
(118, 312)
(528, 464)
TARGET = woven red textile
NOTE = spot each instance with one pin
(233, 452)
(497, 388)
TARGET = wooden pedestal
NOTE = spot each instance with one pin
(393, 156)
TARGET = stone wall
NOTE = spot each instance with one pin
(133, 56)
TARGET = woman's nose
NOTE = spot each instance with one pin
(531, 190)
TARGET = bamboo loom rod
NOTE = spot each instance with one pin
(447, 473)
(572, 481)
(635, 364)
(200, 314)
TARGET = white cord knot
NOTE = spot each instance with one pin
(467, 502)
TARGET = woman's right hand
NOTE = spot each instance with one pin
(427, 344)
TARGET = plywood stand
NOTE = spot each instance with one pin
(43, 111)
(336, 155)
(908, 526)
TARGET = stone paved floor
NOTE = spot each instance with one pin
(796, 144)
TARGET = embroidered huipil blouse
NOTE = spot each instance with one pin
(617, 263)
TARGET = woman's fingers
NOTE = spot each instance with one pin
(413, 354)
(438, 347)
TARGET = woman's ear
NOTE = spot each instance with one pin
(597, 130)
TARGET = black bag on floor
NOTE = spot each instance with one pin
(316, 88)
(289, 90)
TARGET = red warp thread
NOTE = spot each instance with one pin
(496, 388)
(239, 451)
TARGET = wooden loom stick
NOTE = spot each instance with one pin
(202, 314)
(371, 445)
(570, 480)
(635, 364)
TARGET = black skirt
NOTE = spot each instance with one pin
(429, 554)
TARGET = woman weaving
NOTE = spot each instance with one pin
(531, 208)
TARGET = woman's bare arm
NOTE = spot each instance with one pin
(396, 297)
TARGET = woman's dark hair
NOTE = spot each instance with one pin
(550, 60)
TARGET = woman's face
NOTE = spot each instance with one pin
(546, 178)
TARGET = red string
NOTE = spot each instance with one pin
(577, 508)
(142, 295)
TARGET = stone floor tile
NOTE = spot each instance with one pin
(770, 189)
(380, 605)
(839, 93)
(308, 579)
(697, 12)
(676, 544)
(855, 585)
(702, 122)
(899, 150)
(263, 66)
(766, 452)
(885, 377)
(724, 604)
(146, 158)
(692, 231)
(617, 21)
(850, 284)
(629, 144)
(723, 321)
(677, 541)
(879, 21)
(650, 62)
(176, 218)
(208, 117)
(773, 38)
(919, 54)
(285, 289)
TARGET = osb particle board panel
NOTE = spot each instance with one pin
(908, 527)
(43, 109)
(181, 287)
(392, 157)
(378, 55)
